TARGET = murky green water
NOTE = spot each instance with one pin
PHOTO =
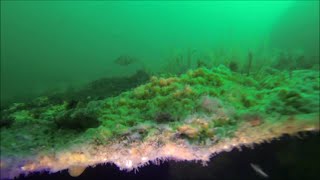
(90, 74)
(49, 46)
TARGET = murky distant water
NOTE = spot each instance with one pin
(47, 46)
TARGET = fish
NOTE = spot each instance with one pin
(259, 171)
(125, 60)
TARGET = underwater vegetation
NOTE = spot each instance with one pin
(133, 83)
(101, 88)
(140, 119)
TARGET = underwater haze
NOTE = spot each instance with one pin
(125, 85)
(55, 45)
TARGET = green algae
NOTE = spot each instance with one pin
(222, 97)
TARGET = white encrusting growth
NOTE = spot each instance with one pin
(132, 156)
(129, 164)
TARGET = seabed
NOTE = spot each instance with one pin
(191, 117)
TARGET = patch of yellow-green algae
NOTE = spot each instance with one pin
(211, 109)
